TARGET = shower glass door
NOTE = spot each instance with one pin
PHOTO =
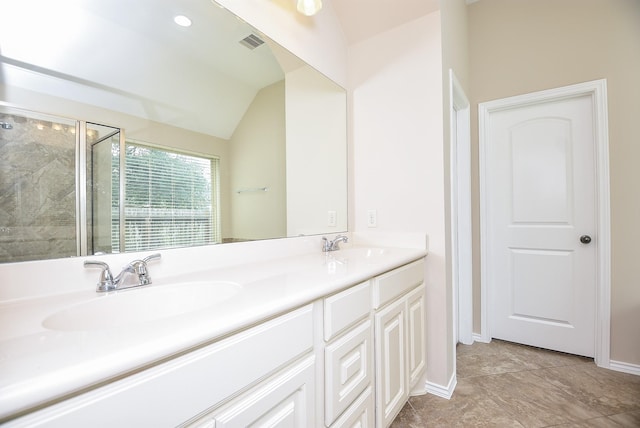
(38, 195)
(103, 188)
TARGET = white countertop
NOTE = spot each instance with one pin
(38, 365)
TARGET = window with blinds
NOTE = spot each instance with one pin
(170, 199)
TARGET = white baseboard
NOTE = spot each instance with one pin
(443, 391)
(419, 389)
(619, 366)
(477, 337)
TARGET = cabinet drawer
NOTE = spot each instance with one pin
(360, 414)
(284, 401)
(348, 369)
(344, 309)
(187, 385)
(390, 285)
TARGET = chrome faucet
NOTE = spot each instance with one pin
(333, 245)
(135, 274)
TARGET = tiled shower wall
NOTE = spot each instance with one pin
(37, 189)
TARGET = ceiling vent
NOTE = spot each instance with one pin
(251, 41)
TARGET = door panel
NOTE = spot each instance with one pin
(537, 275)
(541, 167)
(541, 172)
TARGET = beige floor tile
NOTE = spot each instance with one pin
(504, 357)
(472, 365)
(469, 407)
(622, 420)
(533, 402)
(542, 357)
(606, 391)
(407, 418)
(502, 384)
(626, 420)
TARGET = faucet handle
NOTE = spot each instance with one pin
(335, 244)
(140, 268)
(106, 282)
(152, 257)
(326, 245)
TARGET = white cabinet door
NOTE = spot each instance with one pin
(416, 329)
(286, 401)
(391, 373)
(348, 369)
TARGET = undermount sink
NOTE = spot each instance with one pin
(133, 306)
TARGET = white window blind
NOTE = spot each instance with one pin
(170, 199)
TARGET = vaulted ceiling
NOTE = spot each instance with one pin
(361, 19)
(134, 51)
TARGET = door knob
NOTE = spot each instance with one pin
(585, 239)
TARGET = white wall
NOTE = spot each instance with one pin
(316, 153)
(395, 82)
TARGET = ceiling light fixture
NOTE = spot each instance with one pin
(309, 7)
(182, 21)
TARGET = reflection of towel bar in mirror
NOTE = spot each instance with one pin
(253, 189)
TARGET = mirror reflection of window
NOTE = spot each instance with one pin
(170, 199)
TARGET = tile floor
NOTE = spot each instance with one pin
(503, 384)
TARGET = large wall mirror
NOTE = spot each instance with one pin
(121, 130)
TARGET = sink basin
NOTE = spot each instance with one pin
(365, 253)
(135, 306)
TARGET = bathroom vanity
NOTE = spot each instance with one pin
(308, 340)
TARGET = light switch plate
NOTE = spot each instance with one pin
(372, 218)
(332, 219)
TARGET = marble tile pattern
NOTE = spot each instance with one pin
(37, 190)
(502, 384)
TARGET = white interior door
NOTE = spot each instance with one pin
(540, 169)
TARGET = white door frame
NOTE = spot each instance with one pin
(597, 89)
(460, 172)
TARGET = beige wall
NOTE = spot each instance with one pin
(529, 45)
(257, 154)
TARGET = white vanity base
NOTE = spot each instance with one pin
(311, 339)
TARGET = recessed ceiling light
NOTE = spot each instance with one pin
(182, 21)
